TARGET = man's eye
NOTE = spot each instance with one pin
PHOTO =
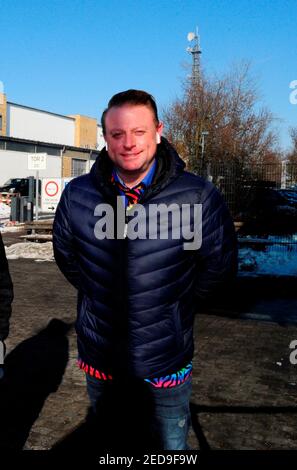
(139, 132)
(117, 135)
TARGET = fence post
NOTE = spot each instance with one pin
(284, 174)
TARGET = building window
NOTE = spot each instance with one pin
(48, 150)
(78, 167)
(0, 122)
(20, 147)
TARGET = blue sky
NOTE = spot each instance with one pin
(71, 56)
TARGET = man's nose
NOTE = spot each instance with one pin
(129, 141)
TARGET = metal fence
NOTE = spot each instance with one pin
(239, 183)
(284, 244)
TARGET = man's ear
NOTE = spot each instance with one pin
(106, 146)
(159, 132)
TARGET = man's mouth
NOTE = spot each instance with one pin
(127, 155)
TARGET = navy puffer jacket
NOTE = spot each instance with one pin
(136, 298)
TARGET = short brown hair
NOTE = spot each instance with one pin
(133, 97)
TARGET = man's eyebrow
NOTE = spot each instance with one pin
(118, 129)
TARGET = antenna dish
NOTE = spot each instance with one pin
(191, 36)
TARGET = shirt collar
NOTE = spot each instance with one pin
(147, 180)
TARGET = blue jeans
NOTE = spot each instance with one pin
(170, 418)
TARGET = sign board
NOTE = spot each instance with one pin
(37, 161)
(50, 193)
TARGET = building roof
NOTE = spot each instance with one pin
(48, 144)
(41, 110)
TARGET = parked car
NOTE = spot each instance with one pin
(18, 186)
(270, 210)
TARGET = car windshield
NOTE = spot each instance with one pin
(12, 181)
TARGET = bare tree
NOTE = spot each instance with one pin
(218, 120)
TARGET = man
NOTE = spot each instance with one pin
(136, 295)
(6, 297)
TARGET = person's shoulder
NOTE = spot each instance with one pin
(76, 188)
(80, 181)
(207, 190)
(196, 181)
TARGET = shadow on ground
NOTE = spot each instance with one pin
(122, 426)
(265, 298)
(196, 410)
(121, 423)
(33, 370)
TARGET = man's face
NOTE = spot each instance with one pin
(131, 134)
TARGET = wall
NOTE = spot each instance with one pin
(100, 139)
(3, 112)
(67, 161)
(31, 124)
(15, 165)
(85, 131)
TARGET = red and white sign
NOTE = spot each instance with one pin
(50, 194)
(51, 188)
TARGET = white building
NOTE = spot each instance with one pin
(72, 143)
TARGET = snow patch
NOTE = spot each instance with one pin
(4, 211)
(276, 263)
(31, 250)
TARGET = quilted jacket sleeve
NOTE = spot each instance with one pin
(63, 240)
(6, 293)
(217, 257)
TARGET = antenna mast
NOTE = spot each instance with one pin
(195, 50)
